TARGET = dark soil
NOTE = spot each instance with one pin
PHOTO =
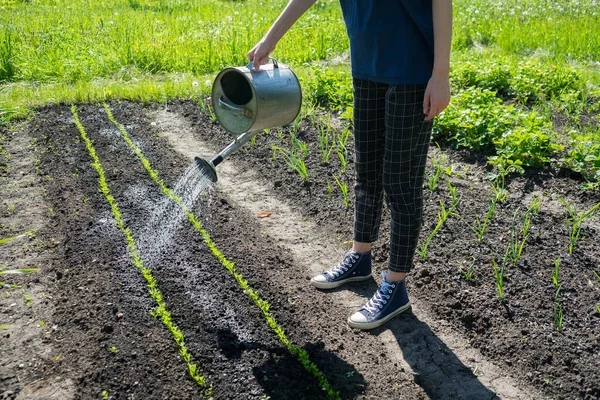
(519, 333)
(102, 299)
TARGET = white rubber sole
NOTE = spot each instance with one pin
(375, 324)
(333, 285)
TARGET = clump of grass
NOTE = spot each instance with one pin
(300, 353)
(438, 166)
(326, 142)
(516, 244)
(575, 221)
(160, 312)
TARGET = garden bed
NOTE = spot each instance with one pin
(109, 342)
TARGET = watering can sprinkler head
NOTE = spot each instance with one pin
(206, 168)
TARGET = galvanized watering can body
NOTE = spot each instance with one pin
(245, 100)
(248, 101)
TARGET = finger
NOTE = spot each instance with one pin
(433, 112)
(257, 61)
(251, 54)
(426, 101)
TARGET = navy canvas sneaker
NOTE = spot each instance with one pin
(354, 267)
(390, 300)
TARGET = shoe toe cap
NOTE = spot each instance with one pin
(358, 318)
(319, 279)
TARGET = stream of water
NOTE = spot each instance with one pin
(158, 234)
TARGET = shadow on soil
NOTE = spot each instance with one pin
(438, 371)
(281, 386)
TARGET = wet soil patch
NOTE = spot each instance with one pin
(519, 334)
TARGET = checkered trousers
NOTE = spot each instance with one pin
(391, 140)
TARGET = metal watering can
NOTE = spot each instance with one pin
(246, 102)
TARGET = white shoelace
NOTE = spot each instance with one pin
(379, 299)
(344, 265)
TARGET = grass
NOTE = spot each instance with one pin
(300, 353)
(160, 312)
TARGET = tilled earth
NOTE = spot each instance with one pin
(100, 300)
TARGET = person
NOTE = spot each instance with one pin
(400, 61)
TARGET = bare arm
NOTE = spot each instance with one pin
(437, 94)
(292, 12)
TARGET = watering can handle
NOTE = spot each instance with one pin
(230, 107)
(250, 65)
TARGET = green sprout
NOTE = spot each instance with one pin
(555, 273)
(467, 273)
(442, 217)
(575, 221)
(344, 189)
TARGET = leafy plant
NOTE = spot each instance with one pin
(575, 221)
(113, 349)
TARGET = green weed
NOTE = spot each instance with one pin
(293, 161)
(480, 225)
(499, 275)
(326, 142)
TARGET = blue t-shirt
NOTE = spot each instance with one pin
(391, 41)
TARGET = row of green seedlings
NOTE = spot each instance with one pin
(160, 312)
(300, 353)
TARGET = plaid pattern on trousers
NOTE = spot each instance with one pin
(391, 140)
